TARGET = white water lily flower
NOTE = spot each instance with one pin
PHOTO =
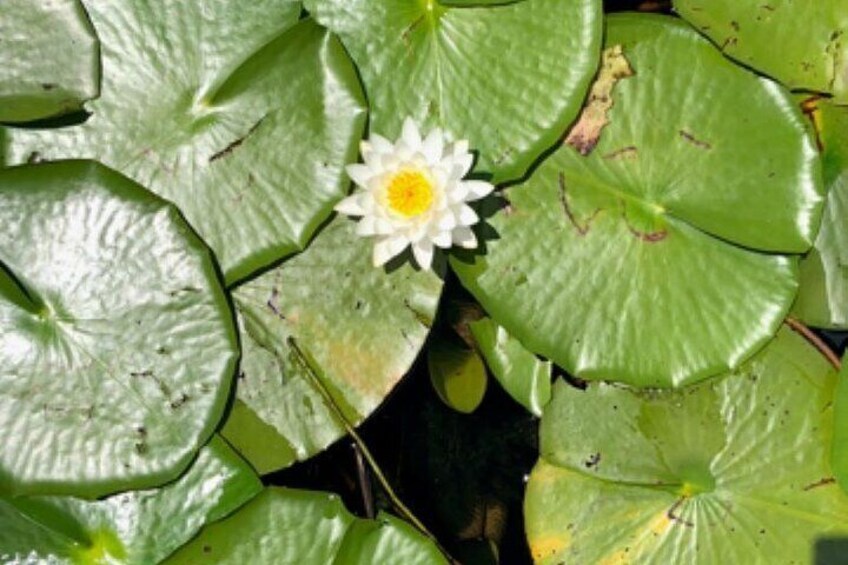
(411, 193)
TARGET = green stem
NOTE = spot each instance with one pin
(303, 359)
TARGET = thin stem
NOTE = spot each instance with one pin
(364, 482)
(375, 468)
(808, 334)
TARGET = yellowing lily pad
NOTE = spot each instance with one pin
(734, 470)
(327, 311)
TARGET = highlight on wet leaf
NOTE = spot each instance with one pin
(413, 194)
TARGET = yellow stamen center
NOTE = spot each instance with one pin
(410, 193)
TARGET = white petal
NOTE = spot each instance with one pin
(442, 239)
(459, 166)
(477, 189)
(360, 174)
(417, 232)
(410, 135)
(367, 226)
(387, 248)
(433, 146)
(466, 215)
(460, 147)
(404, 151)
(447, 221)
(464, 237)
(391, 161)
(457, 192)
(383, 226)
(351, 206)
(423, 251)
(380, 144)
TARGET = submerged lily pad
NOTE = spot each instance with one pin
(655, 254)
(359, 329)
(49, 59)
(135, 527)
(118, 345)
(242, 120)
(307, 528)
(457, 373)
(802, 44)
(735, 470)
(823, 297)
(508, 78)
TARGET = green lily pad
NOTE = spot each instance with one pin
(49, 59)
(292, 527)
(133, 527)
(840, 428)
(445, 66)
(823, 297)
(735, 470)
(525, 377)
(639, 254)
(360, 328)
(242, 120)
(457, 374)
(471, 3)
(800, 44)
(118, 345)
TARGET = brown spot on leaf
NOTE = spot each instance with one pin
(629, 152)
(694, 140)
(583, 229)
(273, 303)
(820, 483)
(584, 135)
(237, 142)
(646, 236)
(674, 517)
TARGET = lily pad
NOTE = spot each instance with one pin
(356, 327)
(49, 59)
(133, 527)
(840, 432)
(823, 297)
(735, 470)
(292, 527)
(457, 373)
(468, 3)
(525, 377)
(638, 255)
(812, 39)
(444, 67)
(107, 300)
(242, 120)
